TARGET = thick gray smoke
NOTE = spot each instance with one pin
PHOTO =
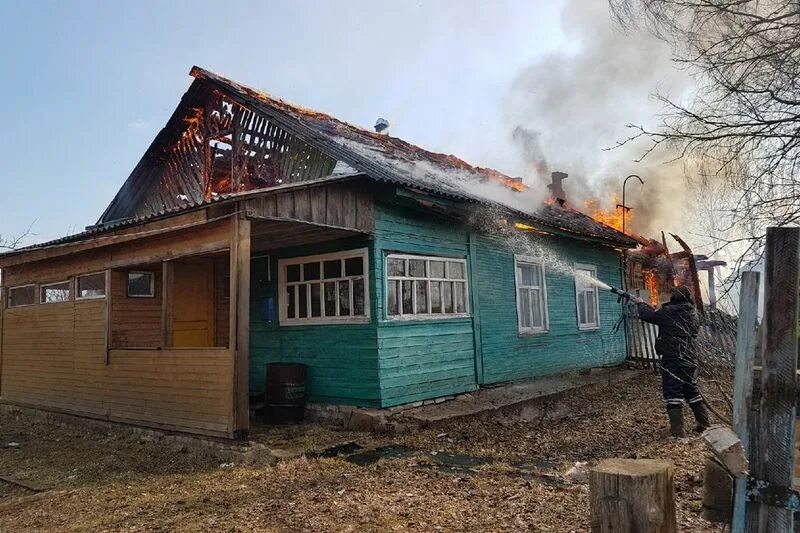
(565, 112)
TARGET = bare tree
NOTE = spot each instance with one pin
(12, 243)
(743, 120)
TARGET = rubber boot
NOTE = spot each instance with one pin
(701, 416)
(676, 422)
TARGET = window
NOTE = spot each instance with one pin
(531, 295)
(23, 295)
(586, 297)
(141, 285)
(90, 286)
(324, 288)
(425, 287)
(54, 293)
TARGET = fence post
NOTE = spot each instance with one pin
(779, 374)
(743, 383)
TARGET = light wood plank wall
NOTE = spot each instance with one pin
(54, 355)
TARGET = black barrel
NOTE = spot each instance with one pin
(286, 393)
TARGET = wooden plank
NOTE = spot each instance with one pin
(166, 303)
(778, 379)
(365, 216)
(334, 212)
(240, 324)
(743, 382)
(475, 307)
(727, 447)
(319, 203)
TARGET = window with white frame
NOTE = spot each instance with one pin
(54, 292)
(90, 286)
(531, 295)
(425, 287)
(329, 288)
(586, 297)
(22, 295)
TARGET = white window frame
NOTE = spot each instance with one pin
(8, 297)
(528, 260)
(105, 286)
(152, 293)
(44, 286)
(283, 307)
(587, 327)
(427, 316)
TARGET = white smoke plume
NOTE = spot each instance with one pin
(565, 112)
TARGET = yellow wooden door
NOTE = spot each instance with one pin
(193, 304)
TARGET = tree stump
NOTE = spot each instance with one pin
(632, 496)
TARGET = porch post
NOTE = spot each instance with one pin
(239, 332)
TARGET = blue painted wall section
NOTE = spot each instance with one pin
(341, 359)
(420, 359)
(390, 362)
(509, 355)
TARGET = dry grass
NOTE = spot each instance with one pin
(112, 482)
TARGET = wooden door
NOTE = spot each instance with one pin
(193, 304)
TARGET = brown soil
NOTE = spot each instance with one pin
(112, 481)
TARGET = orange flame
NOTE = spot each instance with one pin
(651, 282)
(610, 217)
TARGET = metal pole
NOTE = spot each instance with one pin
(624, 205)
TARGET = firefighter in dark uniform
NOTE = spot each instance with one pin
(678, 324)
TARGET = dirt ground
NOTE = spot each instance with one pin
(493, 472)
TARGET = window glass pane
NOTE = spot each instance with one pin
(422, 297)
(302, 301)
(437, 269)
(581, 308)
(290, 304)
(140, 284)
(316, 304)
(447, 297)
(91, 286)
(332, 269)
(455, 270)
(292, 273)
(344, 298)
(526, 275)
(397, 267)
(536, 309)
(392, 308)
(359, 302)
(524, 309)
(311, 271)
(460, 295)
(536, 275)
(55, 293)
(436, 297)
(408, 308)
(354, 266)
(416, 268)
(591, 315)
(22, 296)
(330, 298)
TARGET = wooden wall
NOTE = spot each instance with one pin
(54, 355)
(222, 269)
(341, 205)
(420, 359)
(135, 322)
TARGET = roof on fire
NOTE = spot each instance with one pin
(365, 153)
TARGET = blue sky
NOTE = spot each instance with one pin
(87, 85)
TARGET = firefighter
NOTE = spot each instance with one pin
(678, 324)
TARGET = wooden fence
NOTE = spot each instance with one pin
(716, 340)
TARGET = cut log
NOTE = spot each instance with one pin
(632, 496)
(727, 447)
(717, 492)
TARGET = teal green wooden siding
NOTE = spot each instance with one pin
(341, 359)
(390, 362)
(420, 359)
(509, 355)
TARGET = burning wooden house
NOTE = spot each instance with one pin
(255, 231)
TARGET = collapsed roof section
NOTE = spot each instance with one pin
(226, 138)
